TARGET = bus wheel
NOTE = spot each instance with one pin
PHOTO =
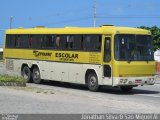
(36, 76)
(126, 88)
(92, 82)
(26, 74)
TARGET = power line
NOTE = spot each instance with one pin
(139, 17)
(68, 21)
(62, 14)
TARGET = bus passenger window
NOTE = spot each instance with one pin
(74, 42)
(87, 42)
(78, 42)
(18, 41)
(48, 41)
(30, 41)
(57, 41)
(10, 41)
(92, 42)
(70, 42)
(24, 41)
(37, 41)
(97, 42)
(63, 42)
(71, 39)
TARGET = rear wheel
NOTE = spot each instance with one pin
(36, 76)
(92, 82)
(26, 74)
(126, 88)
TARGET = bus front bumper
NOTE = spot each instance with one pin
(133, 81)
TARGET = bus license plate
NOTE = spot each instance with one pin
(138, 82)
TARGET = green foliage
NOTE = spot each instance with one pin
(6, 78)
(155, 35)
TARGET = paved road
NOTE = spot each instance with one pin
(58, 97)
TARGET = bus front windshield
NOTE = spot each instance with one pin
(133, 47)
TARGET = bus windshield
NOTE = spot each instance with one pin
(133, 47)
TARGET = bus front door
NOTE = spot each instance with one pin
(107, 66)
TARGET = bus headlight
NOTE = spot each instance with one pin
(151, 80)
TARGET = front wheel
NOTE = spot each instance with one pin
(36, 76)
(126, 88)
(92, 82)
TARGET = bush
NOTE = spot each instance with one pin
(6, 78)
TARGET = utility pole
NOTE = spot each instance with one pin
(10, 22)
(94, 13)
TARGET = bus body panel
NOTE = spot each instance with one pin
(57, 71)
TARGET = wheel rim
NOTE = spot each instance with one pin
(93, 81)
(36, 75)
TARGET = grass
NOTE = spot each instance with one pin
(6, 78)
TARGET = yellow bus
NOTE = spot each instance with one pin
(102, 56)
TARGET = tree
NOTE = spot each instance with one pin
(155, 35)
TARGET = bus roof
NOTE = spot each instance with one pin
(79, 30)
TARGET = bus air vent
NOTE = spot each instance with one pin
(20, 28)
(40, 27)
(106, 25)
(70, 27)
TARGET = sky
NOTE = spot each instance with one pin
(61, 13)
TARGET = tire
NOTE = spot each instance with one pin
(92, 82)
(126, 88)
(26, 74)
(36, 76)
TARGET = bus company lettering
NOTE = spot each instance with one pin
(66, 56)
(46, 54)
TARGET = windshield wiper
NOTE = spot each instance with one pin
(146, 59)
(130, 58)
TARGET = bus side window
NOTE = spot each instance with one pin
(87, 42)
(48, 41)
(10, 41)
(96, 42)
(78, 42)
(36, 41)
(92, 42)
(57, 41)
(24, 41)
(82, 42)
(17, 40)
(74, 42)
(30, 41)
(69, 41)
(63, 42)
